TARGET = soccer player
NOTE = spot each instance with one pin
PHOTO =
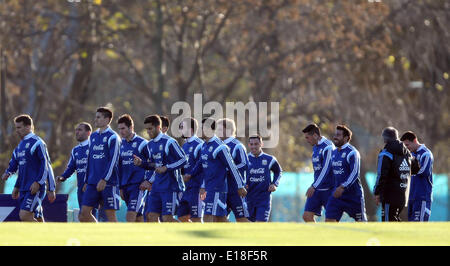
(320, 190)
(191, 206)
(131, 176)
(30, 158)
(165, 157)
(78, 160)
(226, 130)
(101, 183)
(394, 170)
(260, 184)
(348, 195)
(420, 193)
(214, 164)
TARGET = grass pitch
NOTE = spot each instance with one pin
(226, 234)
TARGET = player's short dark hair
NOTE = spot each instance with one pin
(165, 122)
(86, 126)
(192, 122)
(311, 129)
(209, 121)
(154, 120)
(25, 119)
(347, 132)
(125, 119)
(106, 112)
(408, 135)
(257, 136)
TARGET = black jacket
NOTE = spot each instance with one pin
(394, 170)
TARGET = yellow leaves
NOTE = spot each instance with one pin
(127, 105)
(84, 54)
(57, 163)
(390, 61)
(118, 22)
(316, 119)
(165, 94)
(445, 75)
(97, 2)
(405, 63)
(111, 54)
(439, 87)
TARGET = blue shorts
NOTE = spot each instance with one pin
(164, 203)
(238, 205)
(80, 201)
(32, 203)
(191, 204)
(134, 198)
(216, 204)
(353, 205)
(318, 200)
(259, 211)
(419, 210)
(109, 198)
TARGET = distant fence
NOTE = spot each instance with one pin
(289, 199)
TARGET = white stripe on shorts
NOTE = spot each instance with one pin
(216, 198)
(422, 210)
(35, 200)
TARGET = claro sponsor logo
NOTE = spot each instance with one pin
(98, 156)
(338, 172)
(256, 179)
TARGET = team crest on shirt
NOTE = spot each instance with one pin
(87, 152)
(343, 155)
(264, 162)
(320, 151)
(161, 147)
(134, 145)
(210, 149)
(105, 139)
(191, 148)
(27, 145)
(76, 153)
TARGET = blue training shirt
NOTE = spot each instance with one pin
(192, 148)
(103, 158)
(128, 172)
(164, 151)
(32, 161)
(240, 159)
(214, 164)
(422, 182)
(77, 162)
(321, 160)
(346, 164)
(259, 176)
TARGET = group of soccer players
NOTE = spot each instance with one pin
(337, 187)
(203, 181)
(207, 178)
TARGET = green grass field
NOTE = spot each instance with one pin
(228, 234)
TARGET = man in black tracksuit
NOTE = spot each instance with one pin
(394, 170)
